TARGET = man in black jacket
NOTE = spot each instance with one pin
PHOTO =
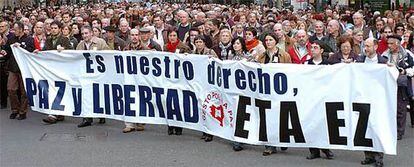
(370, 47)
(56, 42)
(3, 73)
(19, 106)
(4, 35)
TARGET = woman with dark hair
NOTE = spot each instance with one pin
(97, 32)
(345, 54)
(201, 48)
(67, 32)
(174, 45)
(192, 34)
(76, 32)
(254, 45)
(240, 50)
(273, 54)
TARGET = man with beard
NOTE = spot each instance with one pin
(300, 52)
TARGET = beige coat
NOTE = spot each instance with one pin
(284, 57)
(97, 44)
(207, 51)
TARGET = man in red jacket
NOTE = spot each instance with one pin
(300, 52)
(382, 44)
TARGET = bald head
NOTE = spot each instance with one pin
(370, 47)
(333, 27)
(372, 40)
(277, 29)
(38, 28)
(301, 33)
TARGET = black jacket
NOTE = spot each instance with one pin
(26, 42)
(7, 48)
(381, 59)
(154, 45)
(323, 62)
(61, 40)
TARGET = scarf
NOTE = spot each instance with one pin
(171, 47)
(401, 56)
(225, 51)
(251, 44)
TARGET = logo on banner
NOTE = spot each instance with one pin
(215, 108)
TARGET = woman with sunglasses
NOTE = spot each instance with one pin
(399, 29)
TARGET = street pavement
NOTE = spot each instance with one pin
(31, 143)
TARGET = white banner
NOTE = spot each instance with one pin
(344, 106)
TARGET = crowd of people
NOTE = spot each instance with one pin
(228, 32)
